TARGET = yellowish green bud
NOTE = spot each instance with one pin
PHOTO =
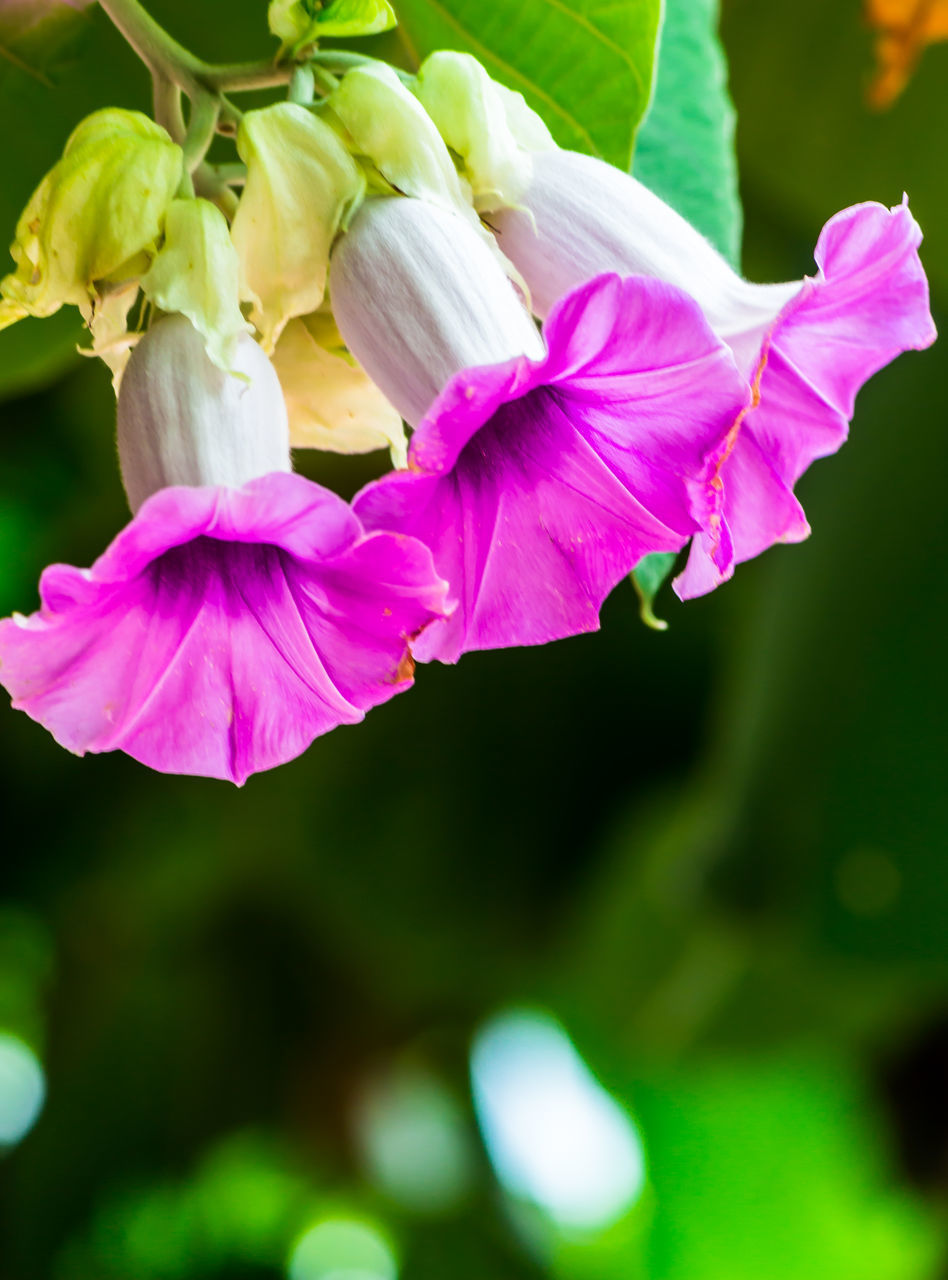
(332, 402)
(461, 99)
(93, 215)
(491, 128)
(302, 187)
(196, 274)
(299, 23)
(389, 126)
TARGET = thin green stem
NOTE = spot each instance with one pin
(164, 56)
(324, 80)
(229, 119)
(185, 186)
(233, 174)
(167, 107)
(159, 51)
(342, 60)
(241, 77)
(302, 87)
(207, 183)
(205, 111)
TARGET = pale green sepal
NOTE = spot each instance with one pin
(647, 578)
(331, 401)
(196, 274)
(302, 187)
(93, 214)
(471, 116)
(389, 126)
(107, 321)
(523, 122)
(299, 23)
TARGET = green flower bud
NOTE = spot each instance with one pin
(389, 126)
(332, 402)
(93, 215)
(302, 187)
(299, 23)
(196, 273)
(491, 128)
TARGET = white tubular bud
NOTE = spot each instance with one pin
(581, 217)
(418, 296)
(181, 420)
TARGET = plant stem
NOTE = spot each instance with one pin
(302, 86)
(205, 111)
(208, 184)
(167, 107)
(164, 56)
(232, 174)
(343, 60)
(159, 51)
(239, 77)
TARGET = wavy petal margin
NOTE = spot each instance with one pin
(539, 485)
(223, 629)
(868, 304)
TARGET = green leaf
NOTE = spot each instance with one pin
(647, 578)
(586, 67)
(685, 148)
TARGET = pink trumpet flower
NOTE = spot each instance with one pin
(540, 473)
(806, 347)
(242, 612)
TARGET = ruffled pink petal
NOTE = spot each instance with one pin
(868, 304)
(540, 485)
(223, 629)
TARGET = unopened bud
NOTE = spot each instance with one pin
(183, 421)
(418, 297)
(302, 186)
(388, 125)
(93, 215)
(491, 128)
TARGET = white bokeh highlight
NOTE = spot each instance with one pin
(556, 1138)
(414, 1142)
(22, 1089)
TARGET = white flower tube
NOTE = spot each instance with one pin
(581, 218)
(418, 296)
(183, 421)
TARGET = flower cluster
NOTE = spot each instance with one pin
(387, 262)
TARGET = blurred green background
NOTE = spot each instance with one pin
(705, 869)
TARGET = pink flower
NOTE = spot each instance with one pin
(806, 347)
(227, 625)
(539, 479)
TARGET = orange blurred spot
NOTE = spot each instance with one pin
(905, 28)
